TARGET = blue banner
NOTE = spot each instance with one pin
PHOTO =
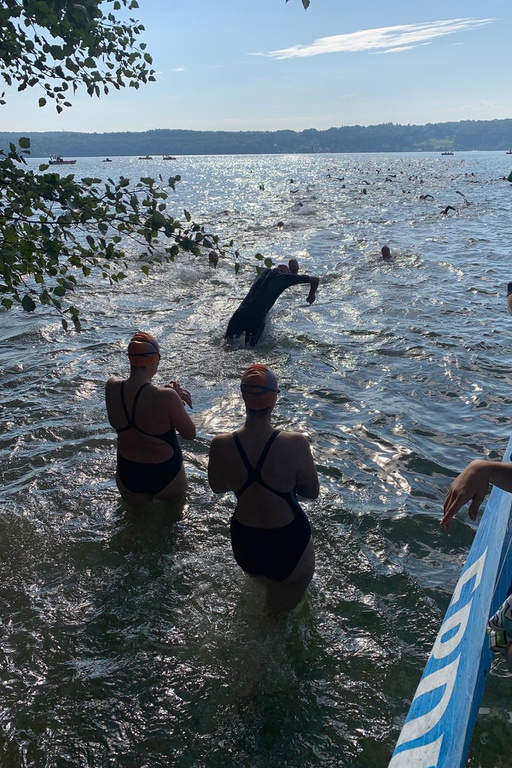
(441, 719)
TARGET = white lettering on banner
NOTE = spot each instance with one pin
(459, 619)
(474, 570)
(444, 677)
(418, 757)
(427, 755)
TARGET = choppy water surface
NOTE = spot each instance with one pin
(136, 641)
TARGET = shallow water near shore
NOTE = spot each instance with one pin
(135, 640)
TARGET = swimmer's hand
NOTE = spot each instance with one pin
(184, 394)
(470, 486)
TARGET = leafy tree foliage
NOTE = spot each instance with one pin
(60, 45)
(53, 228)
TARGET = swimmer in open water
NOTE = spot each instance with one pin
(264, 292)
(146, 418)
(265, 469)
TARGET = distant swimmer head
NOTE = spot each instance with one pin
(509, 298)
(293, 264)
(283, 268)
(259, 388)
(385, 252)
(143, 350)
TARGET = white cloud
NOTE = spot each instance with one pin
(177, 69)
(384, 39)
(400, 49)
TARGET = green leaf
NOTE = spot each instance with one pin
(27, 303)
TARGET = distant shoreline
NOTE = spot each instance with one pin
(462, 136)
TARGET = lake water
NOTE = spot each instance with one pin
(136, 642)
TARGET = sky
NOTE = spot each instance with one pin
(241, 65)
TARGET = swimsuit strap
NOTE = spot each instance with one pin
(253, 473)
(123, 403)
(243, 454)
(264, 453)
(130, 419)
(135, 400)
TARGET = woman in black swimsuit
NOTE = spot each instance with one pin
(146, 417)
(265, 468)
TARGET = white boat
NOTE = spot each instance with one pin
(59, 160)
(438, 729)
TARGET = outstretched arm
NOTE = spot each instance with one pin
(313, 285)
(472, 485)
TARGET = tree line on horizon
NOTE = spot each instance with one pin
(57, 230)
(466, 135)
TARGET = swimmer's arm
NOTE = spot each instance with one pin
(299, 279)
(109, 393)
(472, 485)
(215, 475)
(307, 478)
(313, 285)
(184, 394)
(178, 415)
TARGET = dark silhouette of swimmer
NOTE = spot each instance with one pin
(386, 253)
(269, 285)
(509, 298)
(448, 208)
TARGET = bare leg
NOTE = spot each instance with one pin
(176, 487)
(134, 500)
(283, 596)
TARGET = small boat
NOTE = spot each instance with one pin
(59, 160)
(145, 157)
(443, 712)
(447, 153)
(509, 152)
(107, 160)
(168, 157)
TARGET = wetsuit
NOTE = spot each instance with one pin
(270, 552)
(264, 292)
(137, 476)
